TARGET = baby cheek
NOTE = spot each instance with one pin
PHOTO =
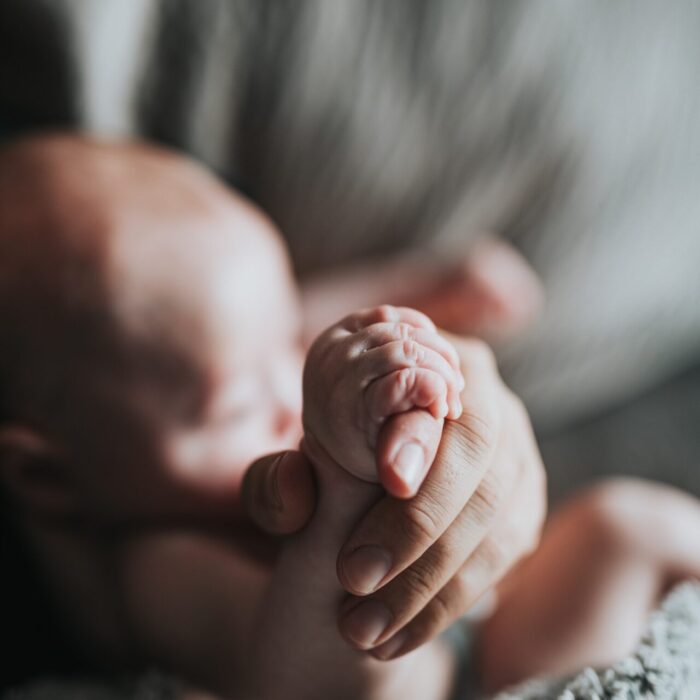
(217, 457)
(287, 399)
(211, 459)
(287, 375)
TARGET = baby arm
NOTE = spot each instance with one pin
(583, 598)
(369, 367)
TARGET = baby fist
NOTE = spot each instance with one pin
(377, 388)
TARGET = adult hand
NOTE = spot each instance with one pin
(489, 291)
(279, 492)
(421, 563)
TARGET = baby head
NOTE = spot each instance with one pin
(152, 329)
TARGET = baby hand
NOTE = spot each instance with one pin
(374, 365)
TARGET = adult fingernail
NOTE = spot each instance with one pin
(408, 464)
(364, 624)
(365, 568)
(389, 649)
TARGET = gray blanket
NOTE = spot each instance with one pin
(665, 665)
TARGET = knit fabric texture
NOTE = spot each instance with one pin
(665, 665)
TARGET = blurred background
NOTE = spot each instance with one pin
(531, 167)
(371, 129)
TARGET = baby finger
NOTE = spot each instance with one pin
(386, 314)
(412, 387)
(402, 354)
(382, 333)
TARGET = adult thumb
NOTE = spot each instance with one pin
(279, 492)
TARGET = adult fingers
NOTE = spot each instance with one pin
(279, 492)
(403, 530)
(493, 292)
(421, 583)
(515, 534)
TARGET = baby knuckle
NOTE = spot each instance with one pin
(406, 380)
(386, 313)
(405, 331)
(409, 351)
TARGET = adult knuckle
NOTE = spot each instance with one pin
(488, 498)
(495, 554)
(530, 541)
(460, 593)
(421, 524)
(440, 612)
(426, 625)
(516, 407)
(417, 583)
(517, 542)
(479, 435)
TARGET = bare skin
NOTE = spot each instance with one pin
(583, 598)
(89, 225)
(355, 381)
(488, 291)
(178, 463)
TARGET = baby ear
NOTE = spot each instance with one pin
(34, 472)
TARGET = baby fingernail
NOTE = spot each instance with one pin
(365, 568)
(366, 623)
(456, 408)
(409, 462)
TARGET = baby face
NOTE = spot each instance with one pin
(251, 363)
(214, 371)
(154, 346)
